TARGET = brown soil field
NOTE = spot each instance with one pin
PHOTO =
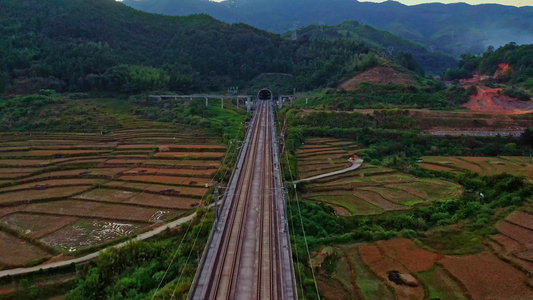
(16, 252)
(82, 161)
(411, 190)
(483, 165)
(342, 144)
(200, 164)
(11, 176)
(378, 200)
(487, 277)
(68, 147)
(32, 195)
(36, 226)
(69, 173)
(127, 185)
(315, 141)
(131, 156)
(507, 244)
(207, 173)
(312, 146)
(106, 172)
(435, 167)
(17, 148)
(521, 218)
(158, 188)
(190, 154)
(163, 201)
(395, 195)
(56, 199)
(125, 161)
(92, 209)
(25, 162)
(53, 183)
(193, 181)
(319, 150)
(110, 195)
(382, 265)
(64, 152)
(345, 202)
(520, 234)
(462, 164)
(139, 198)
(18, 170)
(164, 189)
(172, 146)
(512, 250)
(409, 254)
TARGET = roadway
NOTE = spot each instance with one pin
(248, 255)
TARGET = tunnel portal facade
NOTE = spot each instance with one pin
(265, 94)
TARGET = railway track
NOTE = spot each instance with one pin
(243, 259)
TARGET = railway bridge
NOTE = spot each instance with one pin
(248, 255)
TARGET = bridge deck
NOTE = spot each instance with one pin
(248, 255)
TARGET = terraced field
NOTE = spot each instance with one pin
(400, 269)
(516, 165)
(62, 193)
(367, 191)
(514, 242)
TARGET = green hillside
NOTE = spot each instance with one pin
(433, 62)
(103, 45)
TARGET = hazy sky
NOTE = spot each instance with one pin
(413, 2)
(504, 2)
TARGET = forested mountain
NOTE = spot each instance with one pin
(433, 62)
(103, 45)
(451, 28)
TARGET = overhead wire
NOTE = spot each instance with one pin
(186, 232)
(303, 230)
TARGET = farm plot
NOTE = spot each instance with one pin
(320, 156)
(487, 277)
(515, 239)
(402, 266)
(87, 232)
(372, 189)
(34, 225)
(515, 165)
(66, 192)
(385, 266)
(16, 252)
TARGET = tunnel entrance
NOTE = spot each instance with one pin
(265, 94)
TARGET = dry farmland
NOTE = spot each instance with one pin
(516, 165)
(62, 193)
(400, 269)
(367, 191)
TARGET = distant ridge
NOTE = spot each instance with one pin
(451, 28)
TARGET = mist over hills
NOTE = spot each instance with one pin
(451, 28)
